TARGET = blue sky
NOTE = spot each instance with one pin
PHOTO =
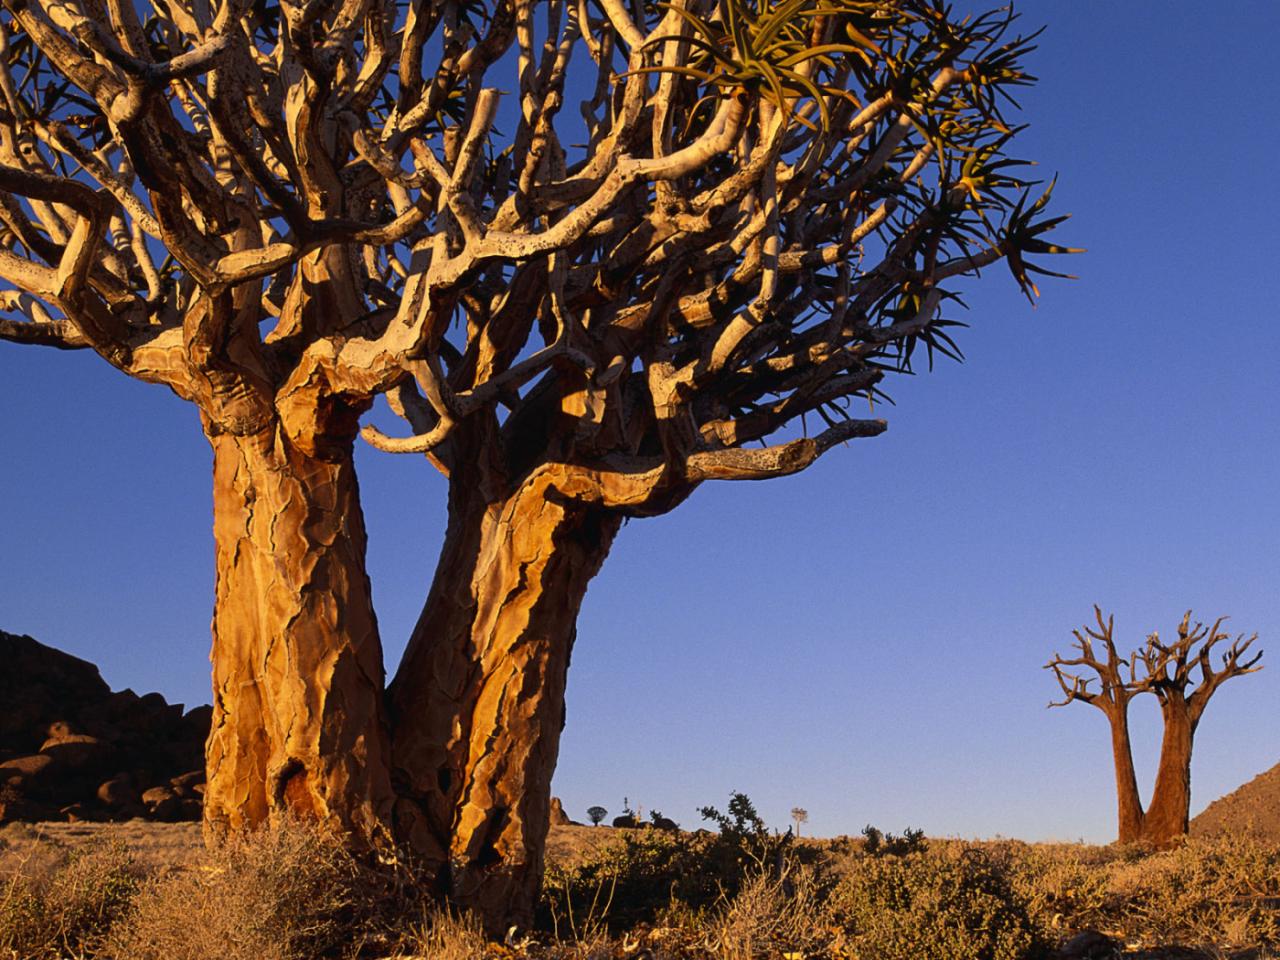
(865, 639)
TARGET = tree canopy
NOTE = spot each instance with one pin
(756, 212)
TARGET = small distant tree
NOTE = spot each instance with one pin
(799, 815)
(1182, 677)
(597, 814)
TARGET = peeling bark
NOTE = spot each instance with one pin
(478, 701)
(298, 724)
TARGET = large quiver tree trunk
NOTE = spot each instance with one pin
(479, 701)
(298, 724)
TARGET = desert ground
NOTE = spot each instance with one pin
(141, 890)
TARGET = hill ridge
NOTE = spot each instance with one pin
(1252, 808)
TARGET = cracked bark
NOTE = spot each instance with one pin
(298, 725)
(478, 701)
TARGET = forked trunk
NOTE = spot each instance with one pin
(478, 702)
(1129, 802)
(298, 723)
(1168, 814)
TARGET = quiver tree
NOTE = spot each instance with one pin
(1183, 677)
(756, 214)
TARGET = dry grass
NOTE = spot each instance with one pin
(64, 903)
(147, 892)
(773, 916)
(152, 846)
(282, 894)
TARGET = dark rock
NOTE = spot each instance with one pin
(1089, 945)
(158, 795)
(558, 817)
(69, 744)
(199, 720)
(78, 813)
(190, 810)
(662, 823)
(35, 776)
(162, 804)
(14, 807)
(37, 686)
(23, 769)
(119, 792)
(626, 820)
(185, 785)
(78, 751)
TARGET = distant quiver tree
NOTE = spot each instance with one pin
(800, 815)
(755, 214)
(1182, 676)
(597, 815)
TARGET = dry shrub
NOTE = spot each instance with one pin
(1204, 892)
(284, 893)
(1064, 888)
(952, 902)
(444, 935)
(772, 916)
(64, 908)
(1218, 893)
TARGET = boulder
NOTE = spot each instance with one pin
(558, 817)
(37, 687)
(35, 776)
(626, 820)
(1089, 945)
(61, 728)
(162, 804)
(186, 785)
(72, 748)
(78, 751)
(79, 813)
(15, 807)
(24, 769)
(190, 809)
(119, 791)
(198, 721)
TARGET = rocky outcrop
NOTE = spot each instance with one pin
(71, 749)
(1253, 809)
(558, 817)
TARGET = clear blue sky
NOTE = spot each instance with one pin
(865, 639)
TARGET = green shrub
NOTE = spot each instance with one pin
(634, 881)
(953, 903)
(877, 843)
(745, 837)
